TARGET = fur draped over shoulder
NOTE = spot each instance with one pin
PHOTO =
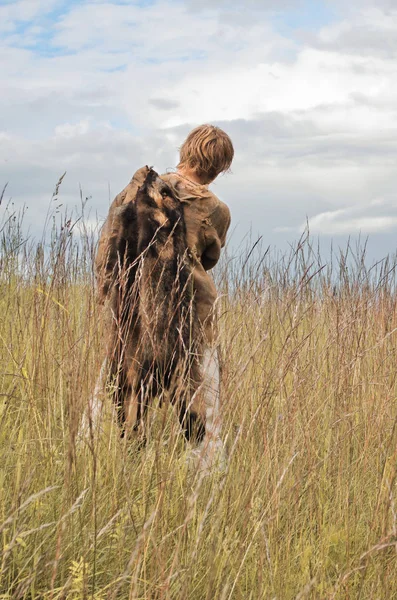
(150, 287)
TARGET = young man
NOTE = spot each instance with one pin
(202, 225)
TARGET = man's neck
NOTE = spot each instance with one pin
(191, 175)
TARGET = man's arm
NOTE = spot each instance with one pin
(215, 236)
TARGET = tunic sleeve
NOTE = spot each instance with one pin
(217, 226)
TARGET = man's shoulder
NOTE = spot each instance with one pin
(187, 190)
(220, 207)
(221, 212)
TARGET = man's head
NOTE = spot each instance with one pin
(208, 151)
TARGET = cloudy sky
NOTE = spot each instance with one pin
(307, 89)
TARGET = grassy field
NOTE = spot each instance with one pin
(307, 505)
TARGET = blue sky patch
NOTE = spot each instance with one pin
(310, 15)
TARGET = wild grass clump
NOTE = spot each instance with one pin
(306, 507)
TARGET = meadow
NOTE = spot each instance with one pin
(306, 507)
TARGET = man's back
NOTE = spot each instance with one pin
(204, 220)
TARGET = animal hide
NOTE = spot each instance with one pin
(152, 297)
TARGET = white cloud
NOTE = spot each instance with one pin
(371, 33)
(377, 216)
(113, 86)
(22, 11)
(70, 131)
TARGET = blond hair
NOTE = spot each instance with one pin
(208, 150)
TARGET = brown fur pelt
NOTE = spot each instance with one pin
(154, 343)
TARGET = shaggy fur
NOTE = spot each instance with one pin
(154, 346)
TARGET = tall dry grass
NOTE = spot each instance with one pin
(306, 507)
